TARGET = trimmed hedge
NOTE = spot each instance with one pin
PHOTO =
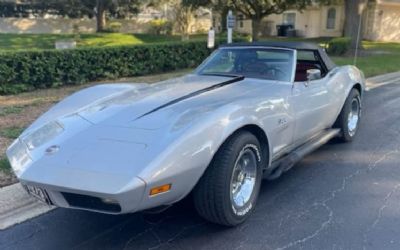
(339, 46)
(24, 71)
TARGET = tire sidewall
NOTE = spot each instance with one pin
(239, 215)
(347, 109)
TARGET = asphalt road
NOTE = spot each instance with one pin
(344, 196)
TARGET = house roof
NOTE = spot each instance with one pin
(278, 44)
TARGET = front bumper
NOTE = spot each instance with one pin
(103, 174)
(112, 203)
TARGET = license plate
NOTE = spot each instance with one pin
(39, 194)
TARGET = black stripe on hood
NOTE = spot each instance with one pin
(198, 92)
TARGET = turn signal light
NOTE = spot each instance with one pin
(160, 189)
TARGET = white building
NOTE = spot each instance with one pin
(381, 22)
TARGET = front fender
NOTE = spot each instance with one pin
(185, 160)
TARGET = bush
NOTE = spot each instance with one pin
(339, 46)
(160, 27)
(24, 71)
(113, 27)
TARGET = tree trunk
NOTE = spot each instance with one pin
(100, 16)
(183, 19)
(352, 22)
(255, 25)
(224, 14)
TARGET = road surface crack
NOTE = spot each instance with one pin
(379, 214)
(332, 196)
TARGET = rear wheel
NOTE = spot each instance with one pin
(227, 192)
(349, 117)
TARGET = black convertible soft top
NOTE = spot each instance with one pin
(289, 45)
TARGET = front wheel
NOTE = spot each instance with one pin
(349, 117)
(227, 192)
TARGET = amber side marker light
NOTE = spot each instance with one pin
(160, 189)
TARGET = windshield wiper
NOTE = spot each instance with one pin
(223, 74)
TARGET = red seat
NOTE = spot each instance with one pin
(301, 71)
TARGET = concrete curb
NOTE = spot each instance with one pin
(17, 206)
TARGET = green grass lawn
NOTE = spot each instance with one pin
(13, 42)
(382, 46)
(373, 65)
(5, 165)
(11, 133)
(381, 58)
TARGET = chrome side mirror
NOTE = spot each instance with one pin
(313, 74)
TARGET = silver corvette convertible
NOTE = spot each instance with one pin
(249, 112)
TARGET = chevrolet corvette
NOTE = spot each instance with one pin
(249, 112)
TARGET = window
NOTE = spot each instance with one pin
(260, 63)
(331, 19)
(306, 55)
(241, 18)
(308, 59)
(289, 18)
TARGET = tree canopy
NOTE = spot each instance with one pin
(71, 8)
(256, 10)
(182, 10)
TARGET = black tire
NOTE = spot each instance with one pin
(212, 195)
(342, 121)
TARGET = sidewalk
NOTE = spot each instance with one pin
(17, 206)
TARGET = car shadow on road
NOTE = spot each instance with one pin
(180, 225)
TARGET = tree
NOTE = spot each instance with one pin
(219, 6)
(184, 17)
(99, 9)
(72, 8)
(182, 12)
(256, 10)
(354, 10)
(222, 7)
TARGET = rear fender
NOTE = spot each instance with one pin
(352, 78)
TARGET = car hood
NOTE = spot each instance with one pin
(124, 106)
(121, 104)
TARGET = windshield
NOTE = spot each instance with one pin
(262, 63)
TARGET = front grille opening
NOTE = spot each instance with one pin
(90, 202)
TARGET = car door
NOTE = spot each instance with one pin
(311, 105)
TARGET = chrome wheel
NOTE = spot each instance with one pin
(244, 177)
(354, 116)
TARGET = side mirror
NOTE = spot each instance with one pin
(313, 74)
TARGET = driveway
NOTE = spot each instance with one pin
(343, 196)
